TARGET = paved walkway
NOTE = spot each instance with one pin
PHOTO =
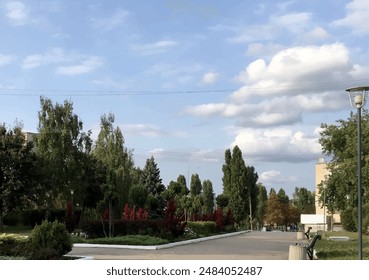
(254, 245)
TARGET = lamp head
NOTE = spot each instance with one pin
(358, 96)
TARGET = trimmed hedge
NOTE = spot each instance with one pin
(33, 217)
(98, 228)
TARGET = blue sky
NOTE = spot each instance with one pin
(188, 79)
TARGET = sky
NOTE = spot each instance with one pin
(187, 80)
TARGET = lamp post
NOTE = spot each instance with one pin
(357, 99)
(72, 193)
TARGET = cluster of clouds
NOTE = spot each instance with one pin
(278, 89)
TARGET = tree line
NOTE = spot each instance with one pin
(63, 164)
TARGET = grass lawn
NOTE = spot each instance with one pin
(341, 250)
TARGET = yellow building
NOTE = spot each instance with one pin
(332, 222)
(29, 136)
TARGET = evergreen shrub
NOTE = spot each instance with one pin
(50, 240)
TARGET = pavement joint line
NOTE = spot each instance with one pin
(158, 247)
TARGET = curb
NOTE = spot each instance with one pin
(157, 247)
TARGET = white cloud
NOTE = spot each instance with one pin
(295, 70)
(210, 78)
(204, 155)
(76, 63)
(154, 48)
(254, 33)
(6, 59)
(16, 12)
(318, 33)
(264, 50)
(357, 17)
(278, 144)
(85, 66)
(112, 22)
(144, 130)
(293, 22)
(275, 177)
(55, 55)
(288, 23)
(281, 110)
(151, 131)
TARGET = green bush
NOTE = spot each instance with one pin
(347, 220)
(12, 245)
(202, 228)
(50, 240)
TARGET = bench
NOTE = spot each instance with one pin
(307, 232)
(310, 246)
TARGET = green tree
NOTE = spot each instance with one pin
(285, 206)
(16, 170)
(59, 144)
(252, 191)
(339, 142)
(181, 180)
(151, 180)
(172, 191)
(138, 196)
(304, 200)
(262, 200)
(227, 185)
(208, 194)
(195, 185)
(222, 201)
(234, 184)
(117, 159)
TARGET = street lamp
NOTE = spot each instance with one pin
(357, 97)
(72, 193)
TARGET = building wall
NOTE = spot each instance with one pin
(321, 173)
(29, 136)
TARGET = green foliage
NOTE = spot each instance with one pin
(339, 142)
(138, 196)
(202, 228)
(262, 200)
(195, 186)
(12, 245)
(60, 146)
(208, 194)
(140, 240)
(239, 183)
(117, 160)
(150, 179)
(304, 200)
(16, 170)
(50, 240)
(347, 220)
(222, 200)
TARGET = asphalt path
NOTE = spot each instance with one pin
(255, 245)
